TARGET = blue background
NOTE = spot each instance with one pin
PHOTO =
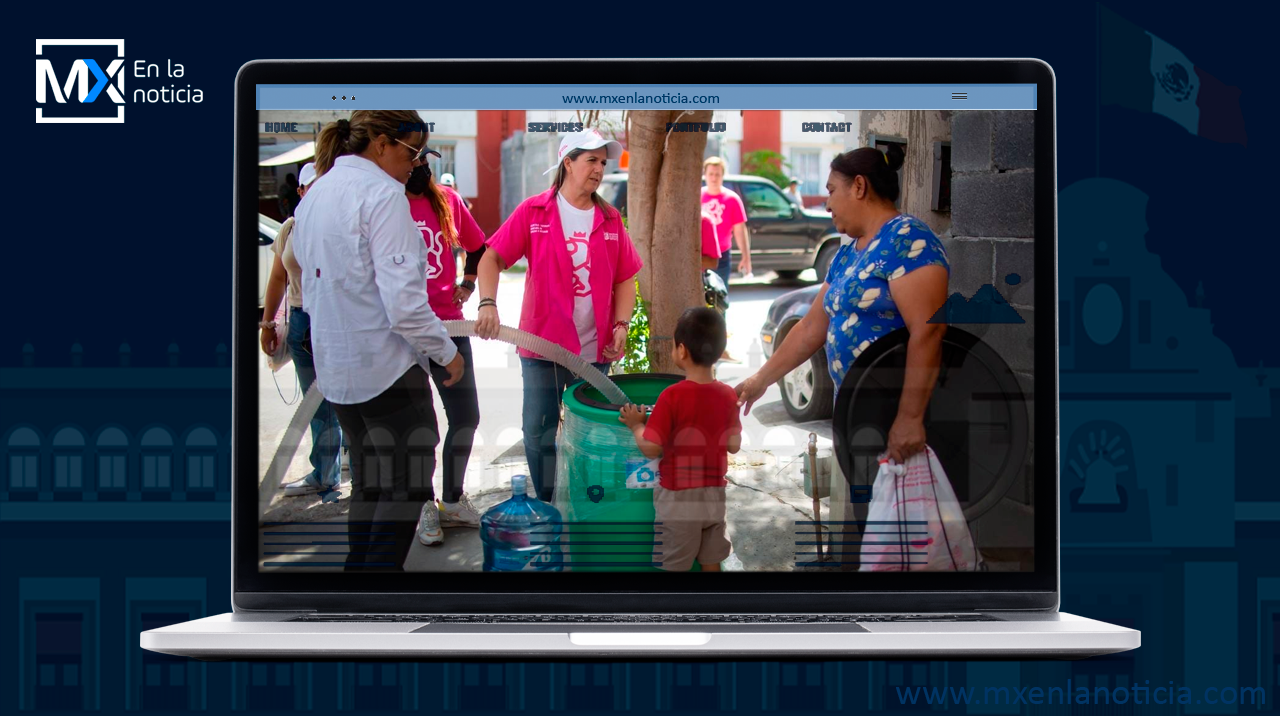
(121, 235)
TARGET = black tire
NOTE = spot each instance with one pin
(788, 275)
(807, 392)
(823, 262)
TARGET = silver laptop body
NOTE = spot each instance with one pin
(831, 614)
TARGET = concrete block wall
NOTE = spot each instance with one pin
(992, 233)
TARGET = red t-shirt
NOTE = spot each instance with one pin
(442, 271)
(693, 422)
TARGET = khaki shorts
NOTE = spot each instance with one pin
(691, 525)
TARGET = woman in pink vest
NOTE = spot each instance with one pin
(579, 289)
(442, 217)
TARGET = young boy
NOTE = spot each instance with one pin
(693, 427)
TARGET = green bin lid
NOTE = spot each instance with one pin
(642, 388)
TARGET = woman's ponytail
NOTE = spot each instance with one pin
(331, 144)
(422, 183)
(354, 135)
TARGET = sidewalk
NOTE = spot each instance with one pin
(764, 498)
(765, 494)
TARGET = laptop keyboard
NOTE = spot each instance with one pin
(644, 618)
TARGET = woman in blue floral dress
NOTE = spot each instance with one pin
(894, 274)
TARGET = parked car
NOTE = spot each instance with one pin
(807, 392)
(785, 238)
(268, 229)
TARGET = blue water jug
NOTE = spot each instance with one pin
(521, 534)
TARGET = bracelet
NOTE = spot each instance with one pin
(488, 302)
(266, 324)
(468, 284)
(624, 324)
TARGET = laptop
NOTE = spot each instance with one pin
(802, 579)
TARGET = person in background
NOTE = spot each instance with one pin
(372, 330)
(448, 180)
(729, 216)
(793, 191)
(446, 224)
(326, 470)
(583, 303)
(289, 196)
(693, 428)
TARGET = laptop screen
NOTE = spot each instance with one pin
(646, 329)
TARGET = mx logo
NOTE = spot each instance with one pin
(86, 82)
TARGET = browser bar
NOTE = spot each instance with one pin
(589, 96)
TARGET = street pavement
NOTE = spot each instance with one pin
(765, 496)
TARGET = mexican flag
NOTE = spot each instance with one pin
(1140, 71)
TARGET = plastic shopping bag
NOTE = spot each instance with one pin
(915, 522)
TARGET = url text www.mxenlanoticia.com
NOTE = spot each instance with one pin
(664, 98)
(1082, 695)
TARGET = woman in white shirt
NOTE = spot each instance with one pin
(372, 329)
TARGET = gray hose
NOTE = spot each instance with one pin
(552, 352)
(457, 329)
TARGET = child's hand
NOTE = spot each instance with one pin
(632, 415)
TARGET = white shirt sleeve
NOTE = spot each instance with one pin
(396, 247)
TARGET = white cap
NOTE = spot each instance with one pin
(308, 173)
(586, 139)
(446, 179)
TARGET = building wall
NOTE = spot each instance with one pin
(727, 144)
(492, 127)
(761, 130)
(985, 252)
(525, 157)
(456, 127)
(827, 144)
(920, 130)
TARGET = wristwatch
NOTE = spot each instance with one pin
(468, 284)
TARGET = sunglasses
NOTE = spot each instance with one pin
(420, 155)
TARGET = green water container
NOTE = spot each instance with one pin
(608, 525)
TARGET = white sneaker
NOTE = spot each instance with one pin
(459, 514)
(429, 532)
(308, 485)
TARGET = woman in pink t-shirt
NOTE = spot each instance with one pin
(579, 290)
(446, 224)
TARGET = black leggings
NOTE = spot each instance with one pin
(393, 457)
(462, 410)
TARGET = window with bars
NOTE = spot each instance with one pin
(200, 472)
(111, 472)
(807, 165)
(112, 449)
(24, 472)
(202, 461)
(68, 459)
(156, 471)
(157, 459)
(24, 459)
(68, 471)
(445, 163)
